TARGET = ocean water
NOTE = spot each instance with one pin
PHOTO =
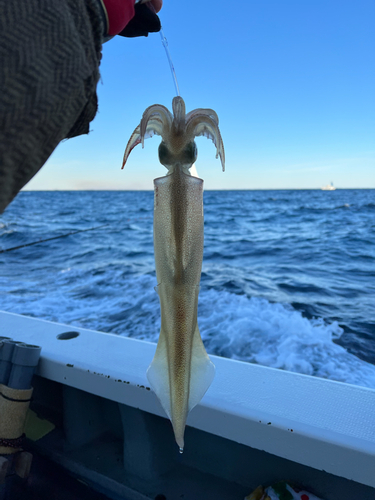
(288, 277)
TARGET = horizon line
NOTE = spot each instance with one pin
(219, 189)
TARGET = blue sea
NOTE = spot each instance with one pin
(288, 277)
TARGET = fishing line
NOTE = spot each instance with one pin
(53, 238)
(164, 42)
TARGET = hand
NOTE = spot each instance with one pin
(145, 20)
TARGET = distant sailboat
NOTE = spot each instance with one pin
(328, 187)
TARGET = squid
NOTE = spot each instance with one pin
(181, 371)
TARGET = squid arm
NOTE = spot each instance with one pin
(155, 126)
(181, 371)
(157, 114)
(202, 124)
(207, 112)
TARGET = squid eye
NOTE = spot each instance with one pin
(165, 156)
(185, 157)
(190, 153)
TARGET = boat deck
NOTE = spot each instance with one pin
(47, 481)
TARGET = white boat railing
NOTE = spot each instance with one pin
(320, 423)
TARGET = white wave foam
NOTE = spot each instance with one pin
(233, 326)
(278, 336)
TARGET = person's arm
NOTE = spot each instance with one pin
(48, 75)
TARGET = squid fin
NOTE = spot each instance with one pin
(158, 375)
(202, 372)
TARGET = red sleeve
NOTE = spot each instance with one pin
(119, 13)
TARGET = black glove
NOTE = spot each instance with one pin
(144, 22)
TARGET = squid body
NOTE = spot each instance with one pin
(181, 371)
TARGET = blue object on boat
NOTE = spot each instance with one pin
(6, 353)
(24, 362)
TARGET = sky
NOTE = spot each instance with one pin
(293, 84)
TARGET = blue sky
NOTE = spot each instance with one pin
(293, 83)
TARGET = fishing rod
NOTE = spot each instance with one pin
(53, 238)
